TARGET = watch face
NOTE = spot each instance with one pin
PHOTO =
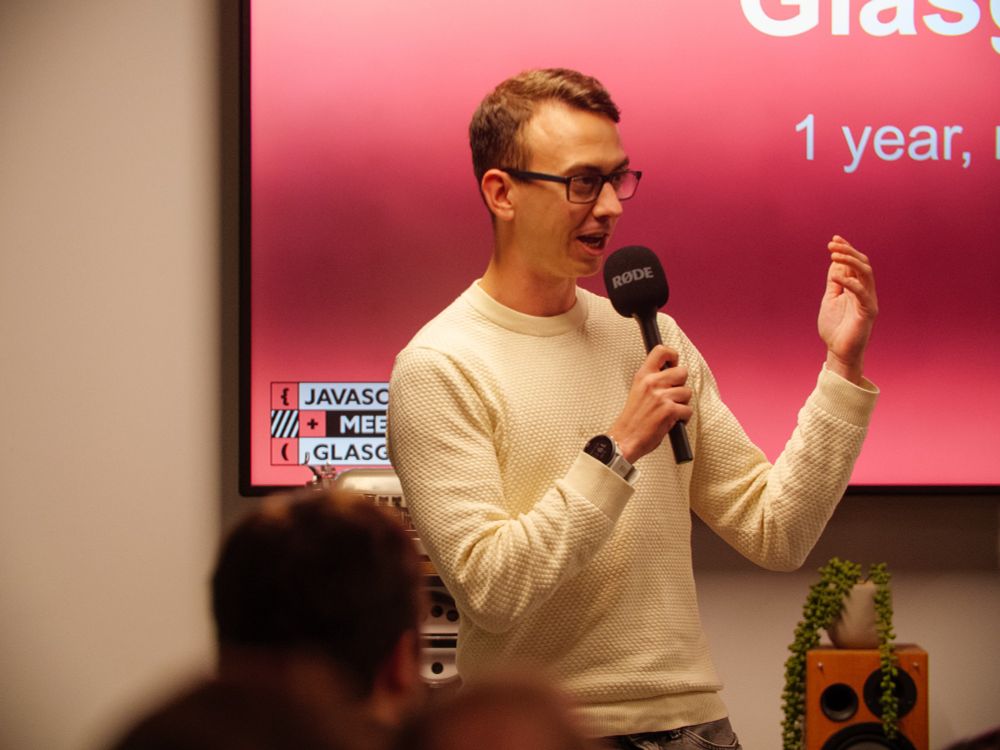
(601, 447)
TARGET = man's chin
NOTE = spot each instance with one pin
(590, 266)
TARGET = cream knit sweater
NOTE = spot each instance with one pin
(555, 562)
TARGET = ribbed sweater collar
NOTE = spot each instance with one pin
(530, 325)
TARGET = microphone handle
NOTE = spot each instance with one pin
(678, 433)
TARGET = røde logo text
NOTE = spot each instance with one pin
(635, 274)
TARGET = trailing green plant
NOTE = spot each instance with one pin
(889, 699)
(823, 605)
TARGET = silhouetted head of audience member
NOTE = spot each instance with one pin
(989, 740)
(223, 715)
(505, 712)
(322, 576)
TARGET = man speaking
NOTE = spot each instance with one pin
(527, 427)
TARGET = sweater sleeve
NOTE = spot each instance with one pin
(498, 563)
(773, 515)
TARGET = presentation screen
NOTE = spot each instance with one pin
(762, 128)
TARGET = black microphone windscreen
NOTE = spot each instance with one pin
(635, 281)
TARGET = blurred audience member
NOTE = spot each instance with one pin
(327, 586)
(222, 715)
(987, 741)
(317, 604)
(505, 712)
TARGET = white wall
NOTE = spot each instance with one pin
(117, 229)
(109, 358)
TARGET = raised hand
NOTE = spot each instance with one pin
(848, 310)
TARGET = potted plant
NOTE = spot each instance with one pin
(823, 606)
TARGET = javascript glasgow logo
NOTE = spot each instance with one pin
(336, 424)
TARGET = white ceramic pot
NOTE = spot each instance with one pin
(855, 628)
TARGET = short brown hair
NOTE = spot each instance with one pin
(496, 127)
(316, 571)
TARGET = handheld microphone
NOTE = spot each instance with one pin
(637, 288)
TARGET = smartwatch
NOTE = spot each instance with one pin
(605, 450)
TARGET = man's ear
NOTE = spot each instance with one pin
(400, 671)
(398, 688)
(496, 187)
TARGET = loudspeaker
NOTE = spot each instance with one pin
(439, 637)
(842, 700)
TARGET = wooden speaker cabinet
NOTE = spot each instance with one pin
(842, 700)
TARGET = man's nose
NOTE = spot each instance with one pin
(607, 203)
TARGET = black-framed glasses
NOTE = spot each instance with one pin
(586, 188)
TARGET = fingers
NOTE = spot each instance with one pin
(843, 252)
(846, 258)
(852, 270)
(659, 369)
(839, 244)
(660, 357)
(657, 400)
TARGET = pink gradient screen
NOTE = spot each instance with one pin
(761, 127)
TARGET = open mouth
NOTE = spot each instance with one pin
(594, 241)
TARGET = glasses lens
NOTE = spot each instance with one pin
(625, 184)
(584, 188)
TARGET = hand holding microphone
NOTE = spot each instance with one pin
(637, 288)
